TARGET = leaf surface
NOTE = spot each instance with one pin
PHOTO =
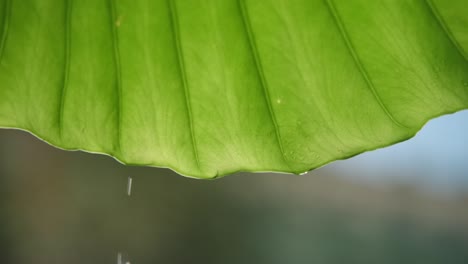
(211, 87)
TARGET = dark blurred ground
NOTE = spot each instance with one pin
(72, 207)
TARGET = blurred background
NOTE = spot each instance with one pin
(407, 203)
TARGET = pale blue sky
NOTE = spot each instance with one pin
(437, 157)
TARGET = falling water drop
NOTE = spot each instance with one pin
(122, 259)
(129, 186)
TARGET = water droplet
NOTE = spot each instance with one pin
(122, 259)
(304, 173)
(465, 84)
(129, 186)
(278, 101)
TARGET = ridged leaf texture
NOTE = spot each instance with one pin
(211, 87)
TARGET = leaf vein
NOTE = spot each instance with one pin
(260, 72)
(6, 25)
(362, 70)
(448, 33)
(66, 71)
(118, 70)
(182, 69)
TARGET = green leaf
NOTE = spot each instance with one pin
(210, 87)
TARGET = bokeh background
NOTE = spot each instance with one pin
(407, 203)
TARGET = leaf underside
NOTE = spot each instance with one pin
(211, 87)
